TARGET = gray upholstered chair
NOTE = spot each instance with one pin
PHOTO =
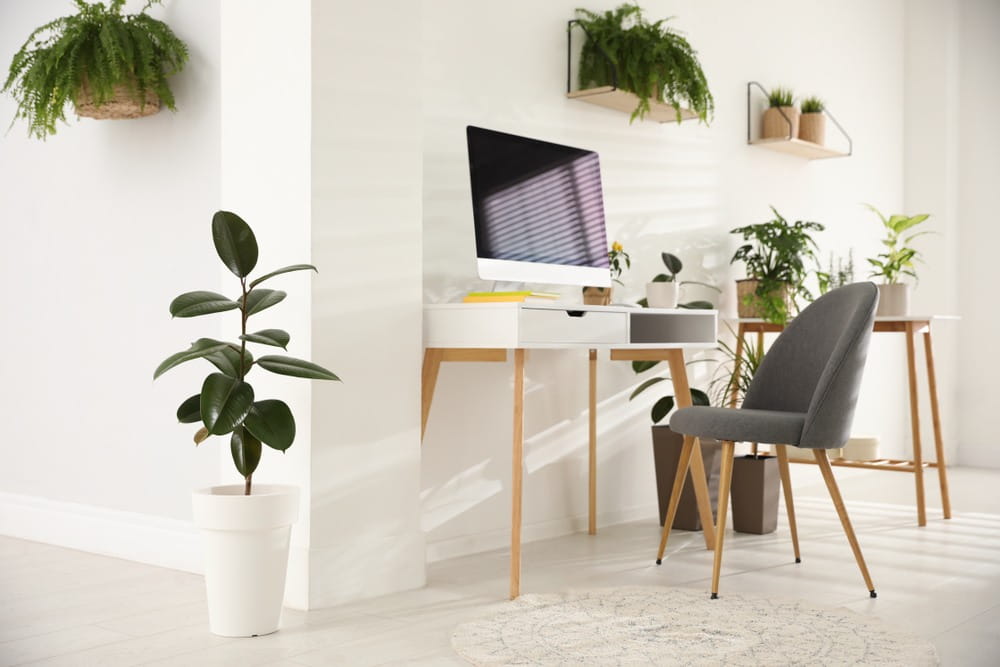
(803, 394)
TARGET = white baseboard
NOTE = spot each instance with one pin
(467, 545)
(138, 537)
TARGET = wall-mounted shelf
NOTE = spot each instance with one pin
(613, 97)
(793, 145)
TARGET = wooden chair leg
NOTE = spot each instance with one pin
(725, 480)
(786, 486)
(675, 494)
(838, 502)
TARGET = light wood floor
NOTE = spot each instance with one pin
(62, 607)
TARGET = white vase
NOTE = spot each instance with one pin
(246, 554)
(893, 300)
(661, 295)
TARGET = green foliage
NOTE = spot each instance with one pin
(227, 403)
(731, 381)
(649, 59)
(776, 256)
(899, 259)
(98, 47)
(665, 404)
(674, 266)
(617, 257)
(780, 97)
(834, 277)
(812, 105)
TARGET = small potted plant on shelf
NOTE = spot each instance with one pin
(898, 260)
(246, 527)
(651, 60)
(107, 64)
(812, 122)
(663, 291)
(775, 257)
(618, 260)
(781, 119)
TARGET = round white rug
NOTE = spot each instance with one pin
(670, 626)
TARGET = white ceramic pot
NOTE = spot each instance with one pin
(246, 554)
(661, 295)
(893, 300)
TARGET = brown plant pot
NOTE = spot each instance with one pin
(666, 455)
(122, 105)
(597, 296)
(774, 125)
(754, 491)
(747, 303)
(812, 127)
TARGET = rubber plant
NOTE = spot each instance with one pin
(649, 59)
(88, 55)
(673, 265)
(226, 404)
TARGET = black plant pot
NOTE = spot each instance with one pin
(755, 488)
(666, 455)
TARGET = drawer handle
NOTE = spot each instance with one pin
(576, 313)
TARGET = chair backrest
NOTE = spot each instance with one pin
(815, 365)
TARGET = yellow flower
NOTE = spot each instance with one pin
(616, 246)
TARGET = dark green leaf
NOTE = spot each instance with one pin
(190, 410)
(698, 397)
(201, 436)
(235, 243)
(192, 304)
(295, 367)
(225, 402)
(259, 299)
(287, 269)
(697, 305)
(200, 348)
(661, 408)
(275, 337)
(246, 451)
(646, 385)
(643, 366)
(272, 423)
(672, 262)
(227, 360)
(642, 302)
(660, 278)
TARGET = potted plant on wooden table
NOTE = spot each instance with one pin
(898, 260)
(106, 63)
(651, 60)
(781, 118)
(246, 527)
(663, 290)
(775, 255)
(812, 122)
(618, 261)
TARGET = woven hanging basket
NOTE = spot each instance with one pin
(122, 104)
(747, 305)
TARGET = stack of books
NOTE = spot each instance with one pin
(494, 297)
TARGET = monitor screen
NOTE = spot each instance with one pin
(538, 209)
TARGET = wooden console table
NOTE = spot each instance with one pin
(910, 325)
(487, 331)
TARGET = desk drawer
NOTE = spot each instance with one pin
(572, 326)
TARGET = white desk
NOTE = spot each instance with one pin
(486, 331)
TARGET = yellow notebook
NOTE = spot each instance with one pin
(494, 297)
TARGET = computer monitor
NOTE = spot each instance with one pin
(538, 210)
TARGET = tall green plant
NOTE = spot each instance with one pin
(97, 49)
(775, 256)
(649, 59)
(899, 259)
(227, 404)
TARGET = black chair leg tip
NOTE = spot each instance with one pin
(715, 596)
(798, 560)
(873, 593)
(659, 561)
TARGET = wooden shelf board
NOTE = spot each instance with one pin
(805, 149)
(899, 465)
(626, 102)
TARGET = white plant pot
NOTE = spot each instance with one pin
(893, 300)
(661, 295)
(246, 554)
(861, 448)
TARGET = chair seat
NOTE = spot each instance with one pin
(741, 425)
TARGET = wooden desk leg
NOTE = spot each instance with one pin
(682, 397)
(936, 417)
(517, 472)
(918, 467)
(592, 511)
(428, 380)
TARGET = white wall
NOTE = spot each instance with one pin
(103, 225)
(666, 188)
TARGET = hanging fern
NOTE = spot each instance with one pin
(98, 48)
(650, 60)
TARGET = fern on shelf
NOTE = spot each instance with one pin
(97, 49)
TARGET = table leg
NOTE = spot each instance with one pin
(428, 380)
(517, 471)
(936, 418)
(918, 467)
(682, 398)
(592, 507)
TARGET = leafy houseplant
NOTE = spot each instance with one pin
(781, 119)
(662, 291)
(775, 257)
(649, 59)
(618, 261)
(812, 124)
(226, 404)
(836, 276)
(108, 64)
(898, 260)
